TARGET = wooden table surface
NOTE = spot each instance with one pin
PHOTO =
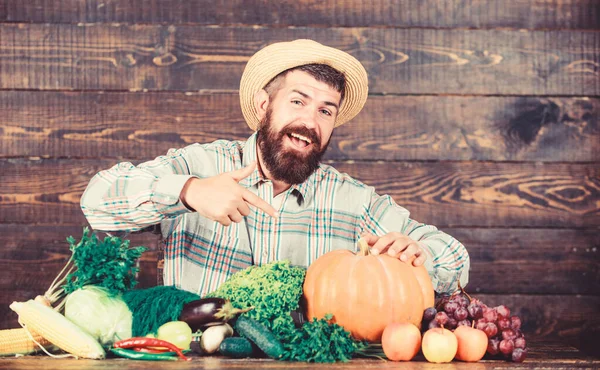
(542, 355)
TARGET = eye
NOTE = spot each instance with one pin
(326, 112)
(297, 102)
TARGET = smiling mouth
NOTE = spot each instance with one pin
(299, 141)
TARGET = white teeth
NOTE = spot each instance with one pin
(301, 137)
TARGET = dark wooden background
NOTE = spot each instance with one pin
(483, 119)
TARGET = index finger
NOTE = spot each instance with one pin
(260, 203)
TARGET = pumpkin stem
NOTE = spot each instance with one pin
(364, 247)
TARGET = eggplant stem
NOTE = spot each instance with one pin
(228, 312)
(239, 311)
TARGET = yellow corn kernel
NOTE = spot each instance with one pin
(57, 329)
(18, 342)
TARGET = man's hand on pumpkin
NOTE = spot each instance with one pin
(396, 245)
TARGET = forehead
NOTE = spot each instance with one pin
(300, 80)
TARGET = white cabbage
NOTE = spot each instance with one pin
(106, 318)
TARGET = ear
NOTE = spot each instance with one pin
(261, 103)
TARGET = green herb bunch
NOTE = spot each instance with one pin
(321, 341)
(109, 263)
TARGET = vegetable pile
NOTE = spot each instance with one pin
(91, 283)
(255, 313)
(274, 290)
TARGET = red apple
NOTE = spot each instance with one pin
(401, 341)
(472, 344)
(439, 345)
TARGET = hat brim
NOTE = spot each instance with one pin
(276, 58)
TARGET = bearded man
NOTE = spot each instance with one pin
(226, 205)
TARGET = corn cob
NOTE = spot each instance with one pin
(18, 342)
(57, 329)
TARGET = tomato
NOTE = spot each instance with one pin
(177, 332)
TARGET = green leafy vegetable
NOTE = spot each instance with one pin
(274, 290)
(109, 263)
(321, 341)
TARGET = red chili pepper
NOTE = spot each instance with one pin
(141, 342)
(150, 350)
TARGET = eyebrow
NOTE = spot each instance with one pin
(325, 102)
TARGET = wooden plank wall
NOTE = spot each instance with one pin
(483, 119)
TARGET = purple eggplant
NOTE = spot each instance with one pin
(205, 312)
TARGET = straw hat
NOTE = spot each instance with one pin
(276, 58)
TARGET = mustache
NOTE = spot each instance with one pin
(304, 131)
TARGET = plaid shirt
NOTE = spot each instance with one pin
(326, 212)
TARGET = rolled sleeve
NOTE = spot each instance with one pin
(447, 259)
(166, 195)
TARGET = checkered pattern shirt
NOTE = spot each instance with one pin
(326, 212)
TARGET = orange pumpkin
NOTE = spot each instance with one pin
(366, 292)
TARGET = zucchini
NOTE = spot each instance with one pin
(259, 335)
(237, 347)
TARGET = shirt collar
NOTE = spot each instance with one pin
(250, 154)
(306, 189)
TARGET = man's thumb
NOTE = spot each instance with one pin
(242, 173)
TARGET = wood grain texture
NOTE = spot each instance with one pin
(483, 120)
(143, 125)
(542, 354)
(399, 61)
(531, 261)
(488, 193)
(569, 14)
(466, 194)
(32, 254)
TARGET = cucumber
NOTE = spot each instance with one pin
(259, 335)
(237, 347)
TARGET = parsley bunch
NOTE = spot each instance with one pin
(321, 341)
(109, 263)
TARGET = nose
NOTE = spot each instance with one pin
(309, 117)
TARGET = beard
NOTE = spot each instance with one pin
(288, 165)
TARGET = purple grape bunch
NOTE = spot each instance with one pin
(505, 338)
